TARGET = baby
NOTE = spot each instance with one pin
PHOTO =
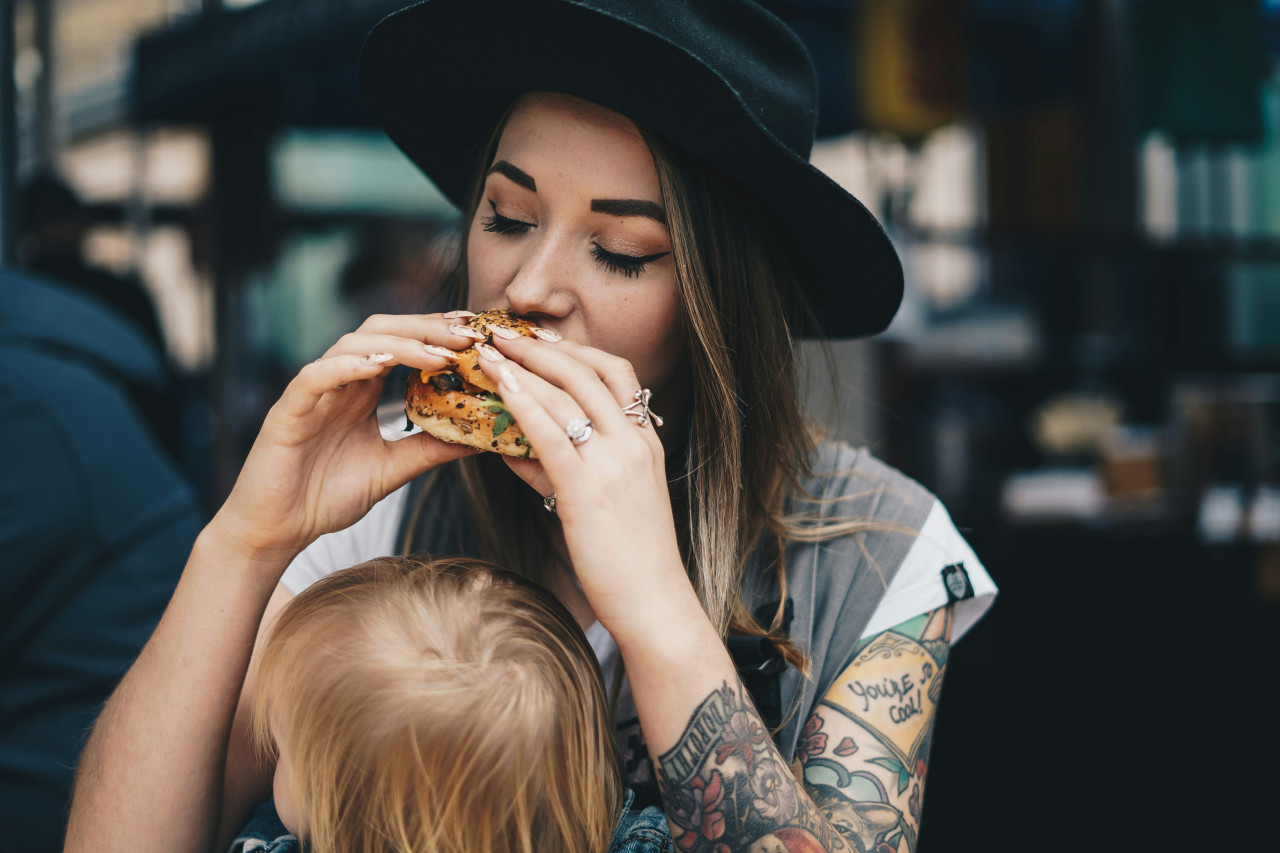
(442, 705)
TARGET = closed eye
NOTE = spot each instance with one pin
(627, 265)
(499, 224)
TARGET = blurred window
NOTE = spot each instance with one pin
(349, 171)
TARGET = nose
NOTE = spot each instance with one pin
(543, 282)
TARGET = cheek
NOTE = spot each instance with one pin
(650, 339)
(489, 268)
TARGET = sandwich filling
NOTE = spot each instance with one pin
(461, 404)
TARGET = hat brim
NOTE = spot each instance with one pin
(438, 75)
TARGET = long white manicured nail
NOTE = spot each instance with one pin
(547, 335)
(457, 315)
(508, 334)
(488, 353)
(443, 352)
(467, 332)
(507, 379)
(377, 358)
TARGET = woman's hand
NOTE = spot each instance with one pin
(319, 462)
(611, 491)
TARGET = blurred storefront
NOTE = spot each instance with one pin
(1086, 197)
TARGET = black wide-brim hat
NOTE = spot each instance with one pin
(722, 79)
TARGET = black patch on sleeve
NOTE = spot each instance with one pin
(956, 581)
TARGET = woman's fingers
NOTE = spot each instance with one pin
(556, 401)
(560, 365)
(410, 351)
(614, 371)
(532, 472)
(541, 415)
(422, 327)
(412, 455)
(334, 372)
(326, 376)
(449, 329)
(412, 338)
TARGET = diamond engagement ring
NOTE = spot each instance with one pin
(640, 409)
(550, 503)
(578, 430)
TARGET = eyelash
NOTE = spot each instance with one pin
(629, 266)
(498, 224)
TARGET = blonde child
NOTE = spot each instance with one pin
(434, 706)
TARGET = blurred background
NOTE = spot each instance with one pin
(1086, 369)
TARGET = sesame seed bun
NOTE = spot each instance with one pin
(461, 405)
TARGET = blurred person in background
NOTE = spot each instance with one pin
(55, 222)
(95, 522)
(643, 194)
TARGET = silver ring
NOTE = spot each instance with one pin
(579, 430)
(549, 502)
(640, 409)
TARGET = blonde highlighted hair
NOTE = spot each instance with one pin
(737, 470)
(747, 443)
(438, 706)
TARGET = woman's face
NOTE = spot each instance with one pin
(571, 233)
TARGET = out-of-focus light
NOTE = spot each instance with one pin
(184, 299)
(349, 171)
(1053, 493)
(1264, 515)
(1159, 190)
(948, 274)
(947, 196)
(174, 164)
(1221, 514)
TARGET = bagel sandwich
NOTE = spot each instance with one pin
(461, 404)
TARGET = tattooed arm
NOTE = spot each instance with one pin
(865, 749)
(725, 786)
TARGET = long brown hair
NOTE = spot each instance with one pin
(438, 707)
(746, 443)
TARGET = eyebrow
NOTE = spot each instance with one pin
(516, 175)
(613, 206)
(630, 207)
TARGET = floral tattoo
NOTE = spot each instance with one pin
(727, 788)
(863, 753)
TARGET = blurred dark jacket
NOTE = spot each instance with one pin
(96, 524)
(56, 222)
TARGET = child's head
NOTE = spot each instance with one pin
(436, 706)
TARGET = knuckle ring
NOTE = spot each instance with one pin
(549, 502)
(579, 430)
(640, 409)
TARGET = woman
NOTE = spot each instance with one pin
(633, 178)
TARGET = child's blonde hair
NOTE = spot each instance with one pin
(442, 705)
